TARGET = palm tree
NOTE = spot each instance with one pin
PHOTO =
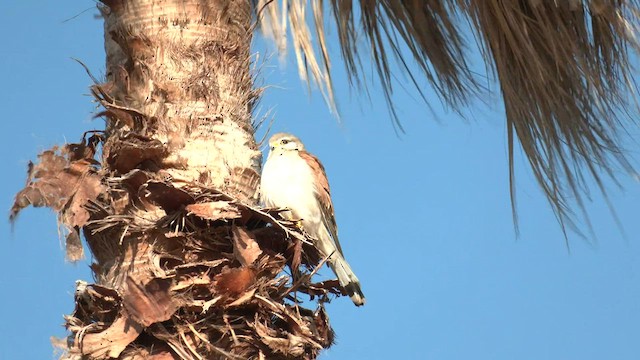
(186, 265)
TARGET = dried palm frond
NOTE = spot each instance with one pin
(562, 66)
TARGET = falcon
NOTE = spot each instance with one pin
(294, 179)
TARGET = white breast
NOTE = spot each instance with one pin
(287, 182)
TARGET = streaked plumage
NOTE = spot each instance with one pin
(294, 179)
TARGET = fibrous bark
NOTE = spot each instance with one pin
(185, 66)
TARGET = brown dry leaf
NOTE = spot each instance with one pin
(65, 186)
(296, 259)
(120, 201)
(245, 247)
(112, 341)
(164, 355)
(288, 314)
(322, 327)
(134, 179)
(215, 210)
(73, 246)
(186, 282)
(271, 265)
(291, 346)
(179, 346)
(131, 151)
(169, 198)
(271, 238)
(141, 354)
(97, 302)
(87, 189)
(243, 299)
(53, 182)
(234, 281)
(149, 303)
(114, 114)
(155, 350)
(86, 149)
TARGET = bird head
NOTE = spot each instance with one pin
(285, 142)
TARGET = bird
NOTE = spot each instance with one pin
(295, 180)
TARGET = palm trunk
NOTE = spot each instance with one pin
(185, 66)
(186, 267)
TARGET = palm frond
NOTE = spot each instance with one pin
(562, 66)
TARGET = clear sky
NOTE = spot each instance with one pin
(424, 217)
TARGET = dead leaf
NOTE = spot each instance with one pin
(73, 246)
(290, 346)
(245, 247)
(134, 179)
(234, 281)
(96, 303)
(112, 341)
(149, 303)
(88, 188)
(322, 328)
(160, 355)
(186, 282)
(65, 186)
(296, 257)
(86, 149)
(53, 181)
(132, 150)
(169, 198)
(155, 350)
(243, 299)
(215, 210)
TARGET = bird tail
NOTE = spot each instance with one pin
(347, 278)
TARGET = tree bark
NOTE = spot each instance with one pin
(185, 65)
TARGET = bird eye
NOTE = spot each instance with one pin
(285, 141)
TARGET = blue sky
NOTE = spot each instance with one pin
(424, 217)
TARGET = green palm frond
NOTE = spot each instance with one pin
(562, 66)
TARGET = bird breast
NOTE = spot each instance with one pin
(287, 182)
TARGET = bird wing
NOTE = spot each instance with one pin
(323, 195)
